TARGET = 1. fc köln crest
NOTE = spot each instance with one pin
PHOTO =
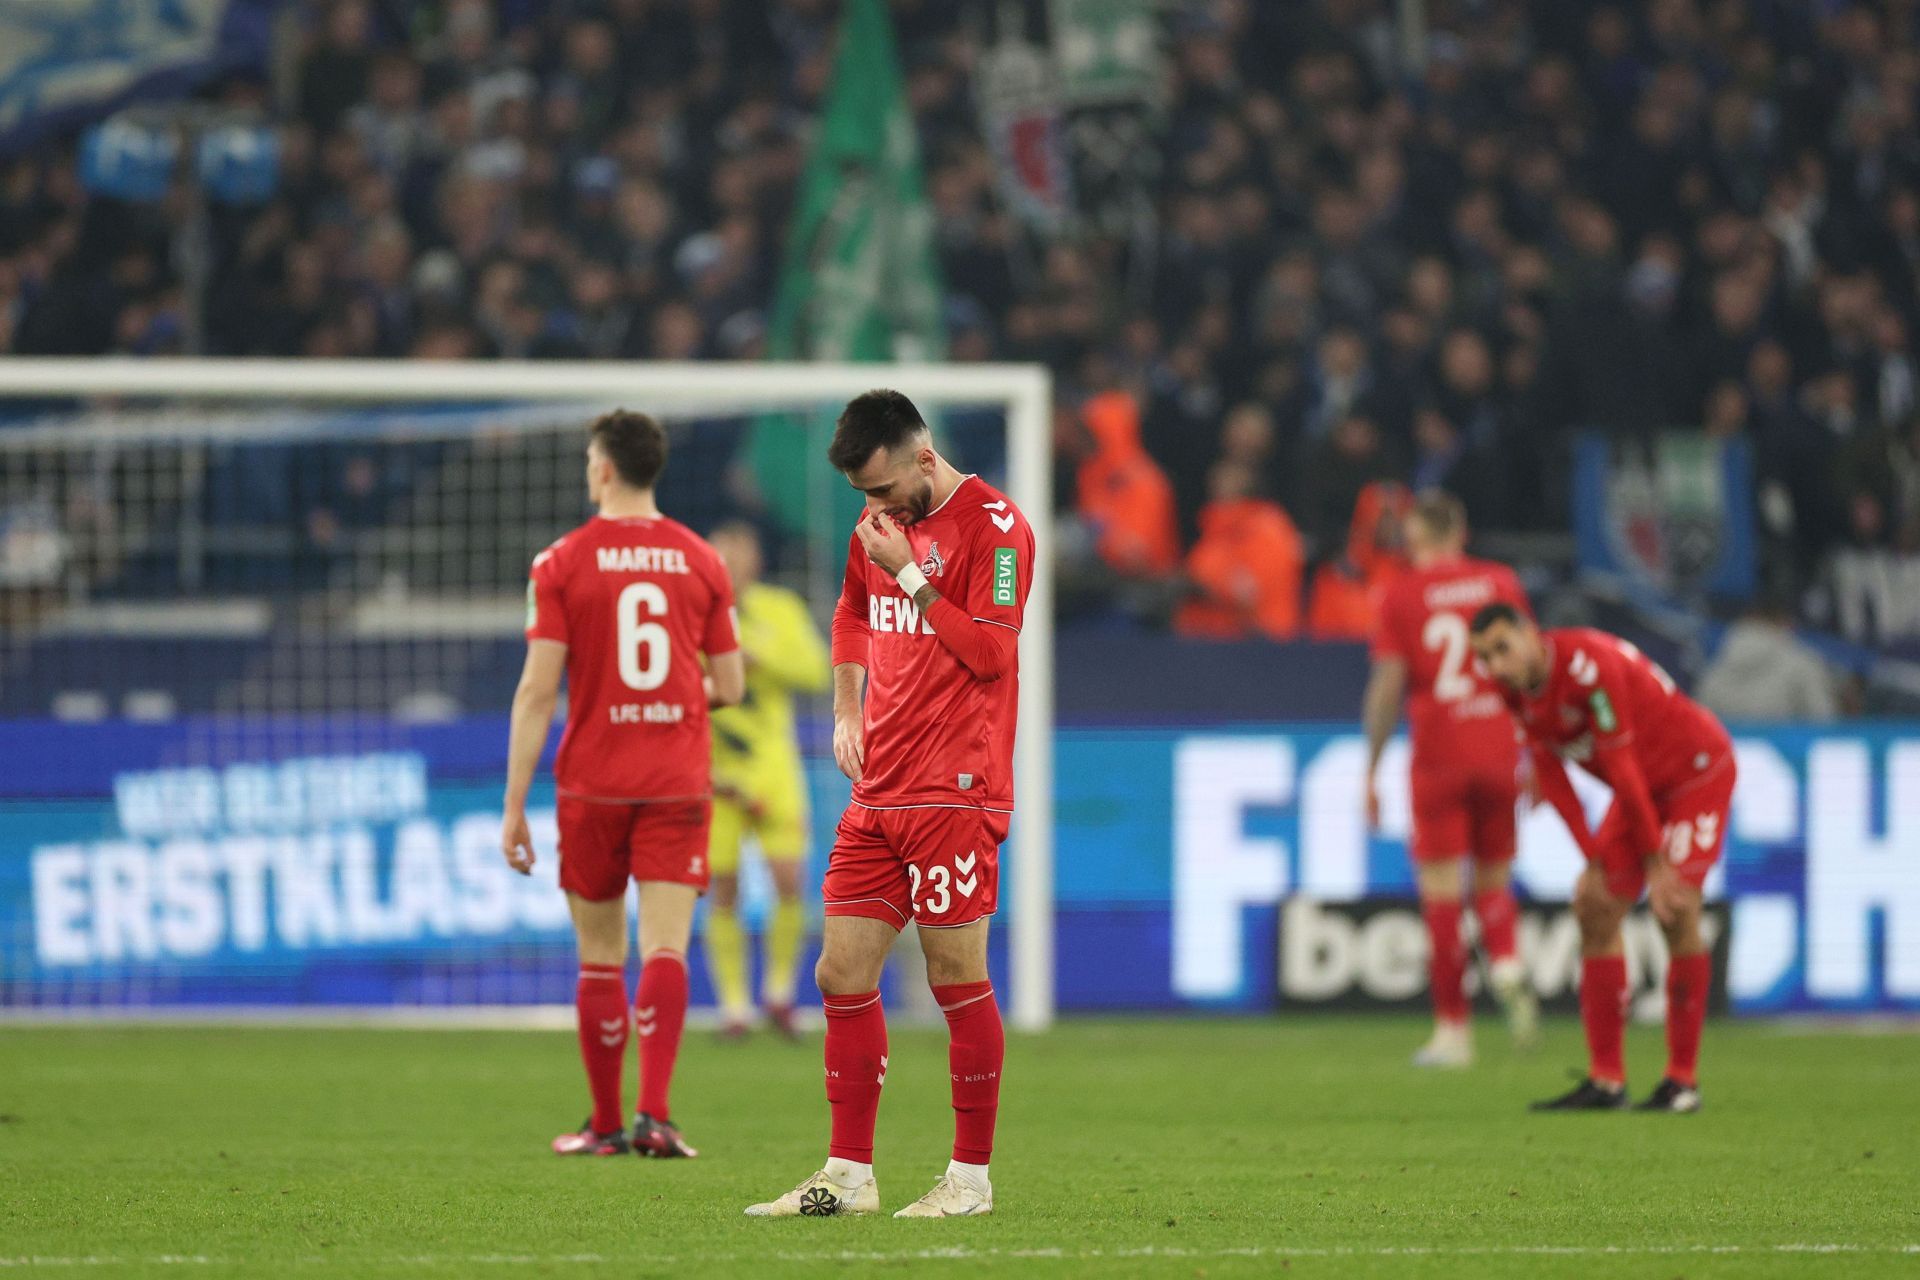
(935, 564)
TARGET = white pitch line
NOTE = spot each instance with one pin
(962, 1253)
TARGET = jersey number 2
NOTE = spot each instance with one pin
(1446, 634)
(645, 647)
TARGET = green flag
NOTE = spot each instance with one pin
(860, 280)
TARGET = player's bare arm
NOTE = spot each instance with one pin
(533, 705)
(1379, 712)
(726, 680)
(849, 730)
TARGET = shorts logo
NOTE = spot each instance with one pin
(1006, 563)
(965, 867)
(935, 564)
(966, 782)
(1705, 828)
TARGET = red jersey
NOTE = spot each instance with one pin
(636, 602)
(936, 733)
(1456, 715)
(1614, 711)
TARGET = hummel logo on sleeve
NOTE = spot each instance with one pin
(1004, 523)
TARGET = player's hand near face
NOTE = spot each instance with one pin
(885, 541)
(516, 842)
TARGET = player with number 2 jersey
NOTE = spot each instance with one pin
(1463, 781)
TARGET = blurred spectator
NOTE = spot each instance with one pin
(1246, 568)
(1347, 588)
(1763, 672)
(1123, 495)
(1336, 471)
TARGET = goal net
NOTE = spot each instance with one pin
(260, 625)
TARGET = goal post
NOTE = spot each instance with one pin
(1022, 392)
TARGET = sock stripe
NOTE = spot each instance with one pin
(832, 1008)
(961, 1004)
(666, 953)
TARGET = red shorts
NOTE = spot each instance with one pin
(1693, 830)
(602, 845)
(1463, 815)
(934, 865)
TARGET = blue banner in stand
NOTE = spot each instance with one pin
(356, 862)
(65, 62)
(1672, 516)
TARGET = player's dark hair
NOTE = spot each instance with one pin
(878, 419)
(1441, 514)
(635, 443)
(1498, 611)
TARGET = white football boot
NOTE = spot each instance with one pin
(1522, 1006)
(958, 1194)
(1451, 1047)
(821, 1197)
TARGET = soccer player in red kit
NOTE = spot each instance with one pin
(1465, 764)
(624, 607)
(1592, 698)
(929, 618)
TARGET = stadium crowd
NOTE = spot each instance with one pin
(1366, 278)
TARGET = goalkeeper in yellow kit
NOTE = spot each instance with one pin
(759, 786)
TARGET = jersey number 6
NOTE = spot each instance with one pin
(645, 647)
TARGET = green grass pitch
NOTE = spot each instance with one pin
(1297, 1146)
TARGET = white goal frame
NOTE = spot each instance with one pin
(1025, 392)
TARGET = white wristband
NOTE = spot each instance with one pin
(911, 580)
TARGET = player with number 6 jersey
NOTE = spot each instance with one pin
(929, 619)
(1595, 699)
(1463, 780)
(625, 607)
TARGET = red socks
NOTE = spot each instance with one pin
(660, 1013)
(976, 1050)
(1498, 916)
(1688, 980)
(1447, 967)
(600, 1001)
(1603, 1010)
(856, 1068)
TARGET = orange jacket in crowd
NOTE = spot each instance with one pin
(1248, 564)
(1123, 493)
(1346, 591)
